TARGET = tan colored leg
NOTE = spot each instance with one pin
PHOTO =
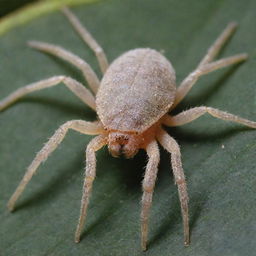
(194, 113)
(171, 146)
(77, 125)
(148, 189)
(88, 39)
(77, 88)
(90, 173)
(214, 50)
(206, 66)
(60, 52)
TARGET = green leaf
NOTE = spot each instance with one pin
(33, 11)
(218, 157)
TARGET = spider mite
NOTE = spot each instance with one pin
(132, 101)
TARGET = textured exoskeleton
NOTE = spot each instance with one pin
(136, 91)
(132, 102)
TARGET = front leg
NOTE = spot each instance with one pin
(148, 189)
(90, 173)
(171, 146)
(77, 125)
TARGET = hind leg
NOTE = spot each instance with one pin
(70, 57)
(77, 88)
(88, 39)
(206, 65)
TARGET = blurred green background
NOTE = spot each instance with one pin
(218, 157)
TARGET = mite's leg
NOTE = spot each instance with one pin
(90, 172)
(49, 147)
(60, 52)
(194, 113)
(214, 50)
(191, 79)
(171, 146)
(88, 39)
(206, 66)
(77, 88)
(148, 189)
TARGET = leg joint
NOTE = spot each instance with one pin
(180, 181)
(89, 179)
(148, 188)
(98, 50)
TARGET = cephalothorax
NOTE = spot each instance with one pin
(133, 101)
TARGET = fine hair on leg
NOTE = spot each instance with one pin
(77, 125)
(90, 173)
(206, 65)
(62, 53)
(215, 48)
(87, 38)
(194, 113)
(148, 189)
(172, 147)
(77, 88)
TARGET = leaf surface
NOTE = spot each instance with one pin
(218, 157)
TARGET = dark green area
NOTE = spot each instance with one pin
(8, 6)
(221, 181)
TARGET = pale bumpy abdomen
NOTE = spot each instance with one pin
(136, 91)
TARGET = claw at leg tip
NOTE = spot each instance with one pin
(32, 44)
(186, 243)
(144, 248)
(233, 24)
(10, 207)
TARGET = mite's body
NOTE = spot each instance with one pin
(137, 89)
(132, 102)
